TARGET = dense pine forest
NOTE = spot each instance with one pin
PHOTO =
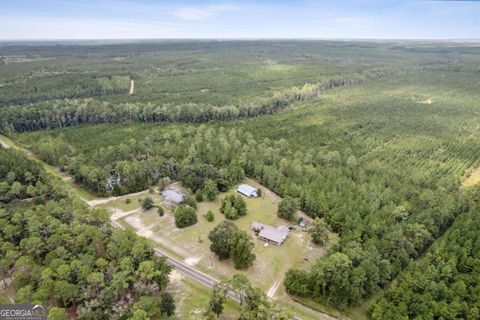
(57, 252)
(373, 139)
(444, 283)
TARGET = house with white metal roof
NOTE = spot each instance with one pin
(247, 190)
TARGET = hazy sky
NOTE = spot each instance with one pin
(111, 19)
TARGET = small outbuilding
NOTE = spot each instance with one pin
(174, 196)
(303, 223)
(247, 190)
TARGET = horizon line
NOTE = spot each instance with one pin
(236, 39)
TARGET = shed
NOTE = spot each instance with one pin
(247, 190)
(303, 223)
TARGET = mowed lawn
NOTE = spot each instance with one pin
(191, 299)
(191, 244)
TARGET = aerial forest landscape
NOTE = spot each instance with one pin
(205, 160)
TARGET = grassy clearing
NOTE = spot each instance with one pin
(70, 186)
(192, 245)
(79, 191)
(473, 178)
(361, 312)
(191, 299)
(7, 295)
(122, 204)
(4, 298)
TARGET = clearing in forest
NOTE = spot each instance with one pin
(473, 178)
(193, 247)
(132, 87)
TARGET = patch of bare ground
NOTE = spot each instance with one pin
(132, 87)
(96, 202)
(119, 214)
(473, 178)
(428, 101)
(146, 229)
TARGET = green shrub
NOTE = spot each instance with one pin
(185, 216)
(209, 216)
(199, 197)
(190, 201)
(160, 211)
(147, 203)
(210, 189)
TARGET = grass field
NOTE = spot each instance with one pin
(121, 202)
(473, 178)
(7, 294)
(191, 299)
(192, 245)
(69, 185)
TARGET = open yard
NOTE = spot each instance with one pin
(130, 202)
(193, 247)
(191, 299)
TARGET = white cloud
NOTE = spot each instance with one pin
(202, 12)
(21, 27)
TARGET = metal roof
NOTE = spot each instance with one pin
(271, 233)
(304, 223)
(247, 190)
(258, 225)
(173, 195)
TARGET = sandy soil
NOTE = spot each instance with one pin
(132, 87)
(119, 214)
(427, 101)
(96, 202)
(473, 178)
(273, 289)
(4, 145)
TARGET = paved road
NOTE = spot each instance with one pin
(179, 266)
(190, 272)
(186, 270)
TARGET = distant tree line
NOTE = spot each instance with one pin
(64, 113)
(61, 86)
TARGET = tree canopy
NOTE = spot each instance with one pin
(61, 254)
